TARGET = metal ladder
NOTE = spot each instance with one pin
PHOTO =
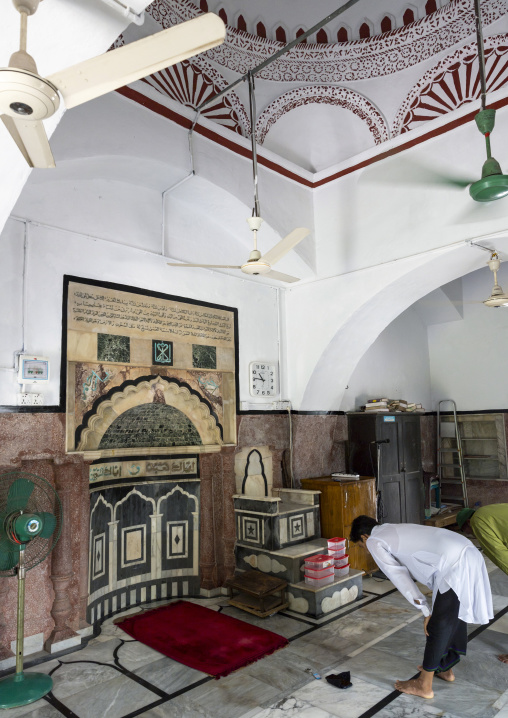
(448, 430)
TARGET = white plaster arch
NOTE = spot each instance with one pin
(366, 21)
(340, 96)
(405, 8)
(347, 28)
(392, 19)
(353, 326)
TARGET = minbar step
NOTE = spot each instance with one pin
(317, 602)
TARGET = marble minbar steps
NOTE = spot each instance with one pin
(287, 563)
(276, 534)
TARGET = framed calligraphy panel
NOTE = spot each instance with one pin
(134, 385)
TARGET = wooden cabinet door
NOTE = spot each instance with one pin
(359, 497)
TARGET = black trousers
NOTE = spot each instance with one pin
(447, 639)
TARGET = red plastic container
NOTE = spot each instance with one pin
(341, 562)
(317, 582)
(342, 571)
(317, 572)
(319, 560)
(337, 543)
(337, 554)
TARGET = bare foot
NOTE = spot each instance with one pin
(445, 675)
(503, 658)
(414, 687)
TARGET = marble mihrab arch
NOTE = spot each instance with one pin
(156, 415)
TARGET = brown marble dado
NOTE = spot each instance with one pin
(36, 443)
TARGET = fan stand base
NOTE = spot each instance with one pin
(23, 688)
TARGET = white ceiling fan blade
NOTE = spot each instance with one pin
(285, 245)
(104, 73)
(281, 277)
(30, 136)
(208, 266)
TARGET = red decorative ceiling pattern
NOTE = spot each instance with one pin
(452, 83)
(340, 62)
(338, 96)
(191, 86)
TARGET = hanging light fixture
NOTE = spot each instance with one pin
(493, 184)
(498, 298)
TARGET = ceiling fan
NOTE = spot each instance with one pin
(497, 298)
(26, 98)
(493, 183)
(257, 263)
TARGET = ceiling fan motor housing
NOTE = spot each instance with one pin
(255, 265)
(26, 95)
(26, 6)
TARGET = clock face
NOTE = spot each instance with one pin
(263, 378)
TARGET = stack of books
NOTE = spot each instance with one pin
(377, 405)
(392, 406)
(415, 408)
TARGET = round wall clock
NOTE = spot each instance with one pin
(263, 378)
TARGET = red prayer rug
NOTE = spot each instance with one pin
(201, 638)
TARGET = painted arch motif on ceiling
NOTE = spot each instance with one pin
(338, 96)
(191, 84)
(340, 62)
(453, 82)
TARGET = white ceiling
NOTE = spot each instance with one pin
(380, 213)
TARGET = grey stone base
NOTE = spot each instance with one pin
(285, 563)
(317, 602)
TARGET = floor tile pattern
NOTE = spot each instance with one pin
(378, 639)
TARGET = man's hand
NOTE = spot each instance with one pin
(425, 624)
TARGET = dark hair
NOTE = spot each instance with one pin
(360, 526)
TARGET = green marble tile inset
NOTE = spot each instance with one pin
(204, 357)
(111, 347)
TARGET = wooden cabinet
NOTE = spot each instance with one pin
(400, 481)
(341, 502)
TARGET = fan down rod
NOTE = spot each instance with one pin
(279, 53)
(481, 51)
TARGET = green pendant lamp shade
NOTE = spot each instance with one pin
(493, 184)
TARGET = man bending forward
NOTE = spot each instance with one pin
(452, 567)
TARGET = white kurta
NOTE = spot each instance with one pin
(438, 558)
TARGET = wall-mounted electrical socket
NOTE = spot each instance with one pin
(30, 398)
(281, 405)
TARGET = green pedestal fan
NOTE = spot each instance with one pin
(30, 524)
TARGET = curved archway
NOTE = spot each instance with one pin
(354, 329)
(153, 391)
(339, 96)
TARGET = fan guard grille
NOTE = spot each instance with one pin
(42, 498)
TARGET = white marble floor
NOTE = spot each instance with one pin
(378, 639)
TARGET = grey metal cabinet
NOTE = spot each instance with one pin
(400, 481)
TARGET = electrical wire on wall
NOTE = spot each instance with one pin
(290, 445)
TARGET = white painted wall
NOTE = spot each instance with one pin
(396, 365)
(468, 358)
(60, 34)
(51, 253)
